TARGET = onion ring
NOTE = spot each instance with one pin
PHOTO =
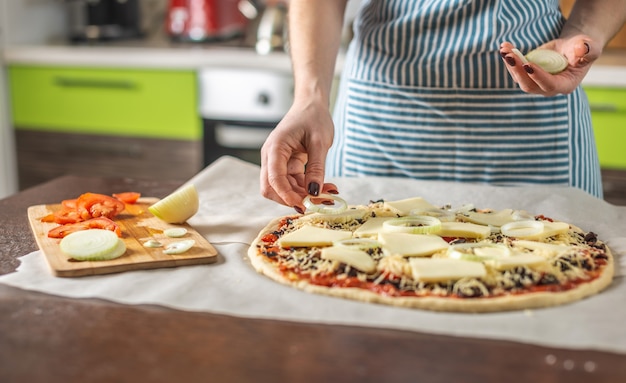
(415, 224)
(339, 204)
(548, 60)
(520, 229)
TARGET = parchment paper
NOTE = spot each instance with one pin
(232, 213)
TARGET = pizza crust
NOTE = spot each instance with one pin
(433, 303)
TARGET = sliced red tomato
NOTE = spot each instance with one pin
(93, 223)
(65, 216)
(48, 218)
(127, 197)
(94, 205)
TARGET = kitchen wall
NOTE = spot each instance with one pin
(33, 21)
(8, 169)
(22, 22)
(51, 20)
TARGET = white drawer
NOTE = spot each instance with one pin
(241, 94)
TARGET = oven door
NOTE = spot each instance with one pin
(241, 139)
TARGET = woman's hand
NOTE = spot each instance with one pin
(294, 155)
(580, 52)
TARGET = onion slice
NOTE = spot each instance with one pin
(548, 60)
(177, 207)
(522, 228)
(179, 247)
(415, 224)
(92, 245)
(339, 204)
(520, 55)
(152, 243)
(175, 232)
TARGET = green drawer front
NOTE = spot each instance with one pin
(141, 103)
(608, 113)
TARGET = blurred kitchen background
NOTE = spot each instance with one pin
(161, 88)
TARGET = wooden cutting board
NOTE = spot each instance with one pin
(138, 225)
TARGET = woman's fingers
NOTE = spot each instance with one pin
(580, 52)
(330, 188)
(530, 77)
(540, 81)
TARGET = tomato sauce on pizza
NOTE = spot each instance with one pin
(413, 254)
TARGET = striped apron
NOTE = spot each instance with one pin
(425, 94)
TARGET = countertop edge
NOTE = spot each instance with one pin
(144, 57)
(608, 71)
(158, 58)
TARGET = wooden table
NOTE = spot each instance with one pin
(46, 338)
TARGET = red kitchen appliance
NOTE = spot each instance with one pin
(204, 20)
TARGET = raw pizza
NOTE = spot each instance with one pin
(411, 253)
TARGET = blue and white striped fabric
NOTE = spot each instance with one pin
(425, 95)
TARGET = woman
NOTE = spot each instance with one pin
(432, 90)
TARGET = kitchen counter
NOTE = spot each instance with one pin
(609, 70)
(151, 56)
(55, 339)
(154, 53)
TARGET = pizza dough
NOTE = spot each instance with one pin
(389, 257)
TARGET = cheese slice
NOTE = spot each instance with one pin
(497, 218)
(515, 261)
(545, 249)
(478, 251)
(445, 269)
(411, 245)
(309, 236)
(405, 206)
(550, 229)
(371, 227)
(356, 258)
(464, 230)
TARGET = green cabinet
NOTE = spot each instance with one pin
(608, 114)
(119, 102)
(136, 123)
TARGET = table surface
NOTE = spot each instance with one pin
(46, 338)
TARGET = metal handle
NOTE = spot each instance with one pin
(72, 82)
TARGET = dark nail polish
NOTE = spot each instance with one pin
(588, 48)
(510, 60)
(298, 209)
(332, 191)
(314, 188)
(503, 54)
(529, 69)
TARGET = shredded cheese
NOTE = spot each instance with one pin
(569, 257)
